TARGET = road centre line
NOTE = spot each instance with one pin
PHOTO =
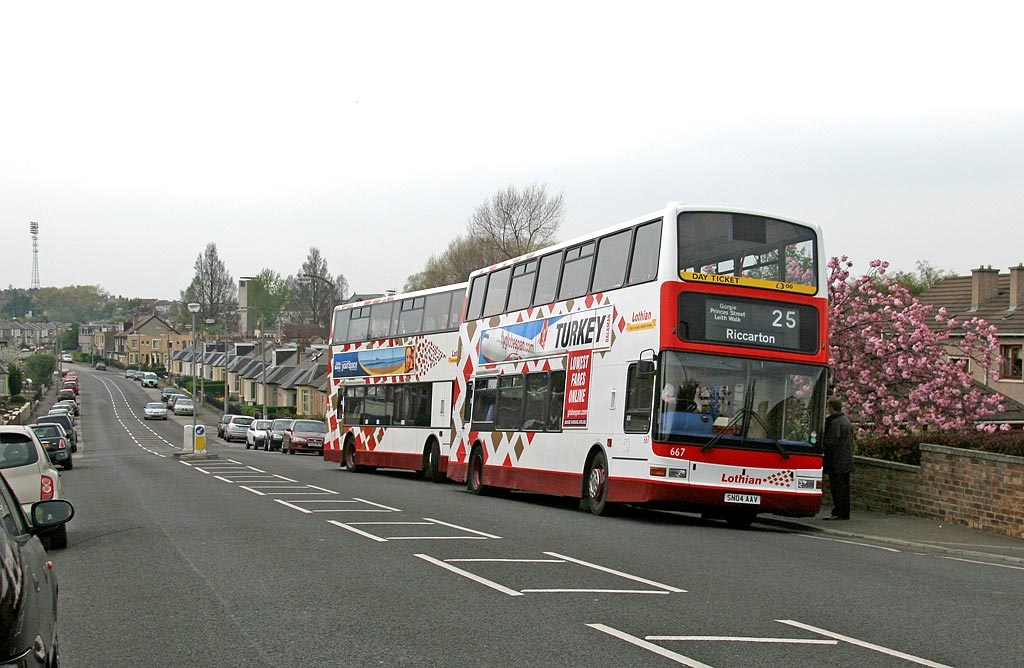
(605, 569)
(504, 561)
(649, 646)
(861, 643)
(470, 576)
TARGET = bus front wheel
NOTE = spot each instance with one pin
(595, 485)
(349, 457)
(475, 474)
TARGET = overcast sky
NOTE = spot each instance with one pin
(137, 132)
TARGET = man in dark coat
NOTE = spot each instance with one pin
(838, 464)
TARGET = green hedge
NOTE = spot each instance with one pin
(904, 448)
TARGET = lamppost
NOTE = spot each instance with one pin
(193, 308)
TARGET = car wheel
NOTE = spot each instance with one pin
(69, 464)
(246, 444)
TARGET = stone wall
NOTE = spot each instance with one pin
(977, 489)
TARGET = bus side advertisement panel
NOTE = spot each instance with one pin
(577, 389)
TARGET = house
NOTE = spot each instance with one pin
(151, 343)
(5, 375)
(998, 299)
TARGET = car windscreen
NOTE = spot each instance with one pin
(62, 420)
(16, 450)
(154, 405)
(244, 421)
(280, 425)
(309, 425)
(261, 424)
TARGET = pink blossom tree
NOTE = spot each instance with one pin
(896, 374)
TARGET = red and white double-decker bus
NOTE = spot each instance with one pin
(677, 359)
(393, 365)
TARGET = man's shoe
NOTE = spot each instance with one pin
(834, 517)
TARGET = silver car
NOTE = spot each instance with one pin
(183, 407)
(154, 410)
(28, 469)
(237, 427)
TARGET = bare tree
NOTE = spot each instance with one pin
(315, 291)
(212, 288)
(518, 221)
(508, 224)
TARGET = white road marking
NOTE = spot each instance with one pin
(593, 591)
(791, 641)
(357, 531)
(470, 576)
(983, 563)
(861, 643)
(851, 542)
(394, 510)
(456, 526)
(651, 647)
(604, 569)
(294, 507)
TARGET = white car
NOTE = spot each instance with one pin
(258, 434)
(154, 410)
(66, 357)
(183, 406)
(28, 469)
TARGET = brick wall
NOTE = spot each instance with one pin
(977, 489)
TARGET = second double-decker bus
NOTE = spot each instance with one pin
(677, 359)
(393, 366)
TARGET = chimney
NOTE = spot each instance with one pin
(1016, 286)
(984, 285)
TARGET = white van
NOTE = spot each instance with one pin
(149, 379)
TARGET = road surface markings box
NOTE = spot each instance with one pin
(677, 359)
(393, 369)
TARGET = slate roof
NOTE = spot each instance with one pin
(954, 294)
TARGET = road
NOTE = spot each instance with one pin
(264, 559)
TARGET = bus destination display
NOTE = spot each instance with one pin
(747, 322)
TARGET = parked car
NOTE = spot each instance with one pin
(55, 440)
(66, 357)
(256, 436)
(224, 419)
(171, 400)
(100, 366)
(154, 410)
(71, 385)
(304, 436)
(28, 469)
(236, 427)
(183, 406)
(72, 403)
(277, 429)
(28, 598)
(62, 409)
(67, 422)
(66, 394)
(166, 393)
(149, 379)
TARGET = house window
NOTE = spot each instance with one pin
(135, 344)
(156, 344)
(1010, 362)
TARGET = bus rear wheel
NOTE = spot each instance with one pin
(349, 457)
(595, 485)
(432, 462)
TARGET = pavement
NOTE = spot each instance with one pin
(912, 533)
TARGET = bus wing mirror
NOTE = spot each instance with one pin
(645, 368)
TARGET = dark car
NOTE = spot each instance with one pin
(55, 440)
(100, 366)
(65, 394)
(64, 421)
(166, 393)
(28, 583)
(277, 432)
(304, 436)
